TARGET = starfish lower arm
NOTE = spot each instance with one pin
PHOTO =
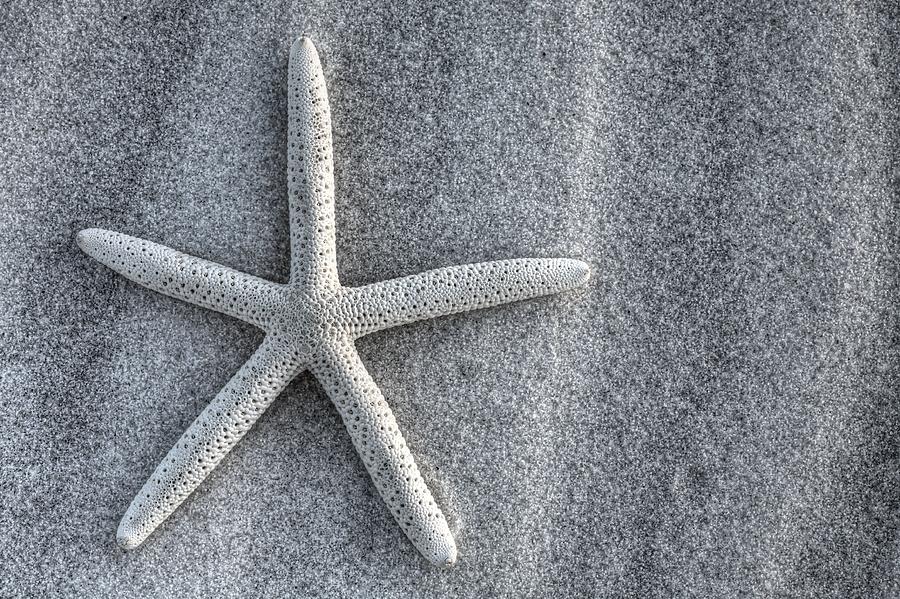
(182, 276)
(383, 450)
(209, 438)
(455, 289)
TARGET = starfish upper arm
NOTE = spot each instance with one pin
(460, 288)
(180, 275)
(310, 171)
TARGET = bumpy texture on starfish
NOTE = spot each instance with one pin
(311, 323)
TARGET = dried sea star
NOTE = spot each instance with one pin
(311, 323)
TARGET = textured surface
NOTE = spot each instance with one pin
(311, 323)
(716, 415)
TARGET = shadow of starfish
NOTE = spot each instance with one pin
(311, 323)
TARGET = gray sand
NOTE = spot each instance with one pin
(716, 415)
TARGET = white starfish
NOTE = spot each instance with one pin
(311, 323)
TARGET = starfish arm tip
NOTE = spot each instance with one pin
(580, 271)
(447, 558)
(82, 236)
(126, 537)
(87, 240)
(303, 44)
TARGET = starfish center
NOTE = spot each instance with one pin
(304, 320)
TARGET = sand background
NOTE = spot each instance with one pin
(716, 415)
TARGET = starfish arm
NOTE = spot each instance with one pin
(310, 171)
(181, 276)
(457, 289)
(209, 438)
(383, 450)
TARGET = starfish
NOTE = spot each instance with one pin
(311, 323)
